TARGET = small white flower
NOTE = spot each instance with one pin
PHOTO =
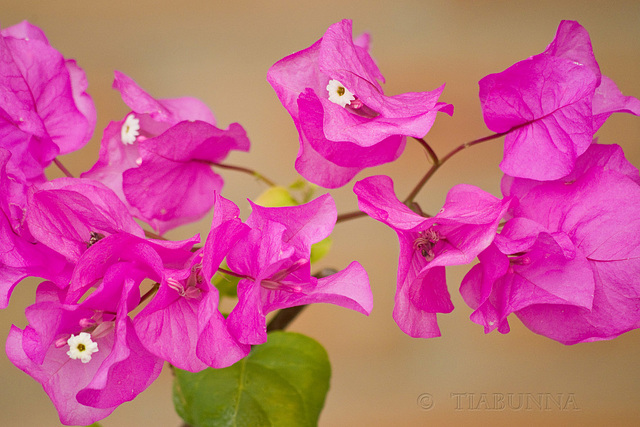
(130, 130)
(81, 347)
(339, 94)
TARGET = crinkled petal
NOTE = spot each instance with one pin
(174, 184)
(408, 311)
(169, 111)
(477, 290)
(347, 288)
(377, 198)
(608, 100)
(63, 213)
(304, 224)
(216, 346)
(572, 42)
(548, 100)
(61, 377)
(54, 88)
(127, 370)
(226, 229)
(167, 327)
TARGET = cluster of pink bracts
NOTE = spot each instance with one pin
(560, 249)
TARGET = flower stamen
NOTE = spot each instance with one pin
(426, 241)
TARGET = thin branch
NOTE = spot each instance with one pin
(437, 165)
(350, 215)
(152, 235)
(251, 172)
(62, 168)
(426, 146)
(474, 142)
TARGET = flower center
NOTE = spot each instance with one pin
(130, 130)
(190, 288)
(426, 241)
(338, 94)
(520, 258)
(95, 236)
(81, 347)
(278, 282)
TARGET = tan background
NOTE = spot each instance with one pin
(220, 52)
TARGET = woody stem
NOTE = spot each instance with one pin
(437, 163)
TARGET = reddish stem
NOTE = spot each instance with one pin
(62, 168)
(442, 161)
(251, 172)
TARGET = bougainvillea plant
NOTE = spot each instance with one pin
(560, 249)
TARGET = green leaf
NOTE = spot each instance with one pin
(320, 249)
(283, 382)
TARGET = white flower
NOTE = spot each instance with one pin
(338, 94)
(130, 130)
(81, 347)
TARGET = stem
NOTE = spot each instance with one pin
(152, 235)
(426, 146)
(62, 168)
(442, 161)
(247, 171)
(231, 273)
(150, 292)
(350, 215)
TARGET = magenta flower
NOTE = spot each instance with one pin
(92, 353)
(345, 121)
(70, 214)
(44, 110)
(85, 387)
(20, 254)
(273, 256)
(463, 228)
(567, 262)
(182, 323)
(554, 102)
(157, 159)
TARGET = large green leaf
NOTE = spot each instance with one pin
(283, 382)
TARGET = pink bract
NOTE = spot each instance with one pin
(44, 109)
(567, 262)
(463, 228)
(163, 173)
(21, 255)
(69, 214)
(553, 103)
(337, 142)
(273, 254)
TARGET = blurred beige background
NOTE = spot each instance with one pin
(220, 52)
